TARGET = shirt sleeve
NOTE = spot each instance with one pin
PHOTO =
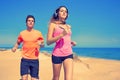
(40, 37)
(19, 39)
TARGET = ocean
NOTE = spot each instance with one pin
(104, 53)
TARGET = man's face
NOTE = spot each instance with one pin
(30, 23)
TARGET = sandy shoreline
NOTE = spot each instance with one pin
(84, 68)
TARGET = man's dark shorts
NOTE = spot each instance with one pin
(30, 66)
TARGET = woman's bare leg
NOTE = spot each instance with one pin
(68, 69)
(56, 71)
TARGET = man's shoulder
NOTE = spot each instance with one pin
(37, 31)
(24, 31)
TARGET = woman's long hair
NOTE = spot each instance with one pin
(55, 16)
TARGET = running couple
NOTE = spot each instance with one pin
(59, 32)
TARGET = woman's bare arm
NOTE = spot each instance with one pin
(50, 38)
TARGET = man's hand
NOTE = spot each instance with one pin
(14, 49)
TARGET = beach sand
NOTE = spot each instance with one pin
(84, 68)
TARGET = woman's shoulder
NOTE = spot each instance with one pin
(52, 25)
(69, 26)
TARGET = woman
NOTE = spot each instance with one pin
(60, 33)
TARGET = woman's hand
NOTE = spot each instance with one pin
(73, 43)
(66, 30)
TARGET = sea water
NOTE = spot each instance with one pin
(105, 53)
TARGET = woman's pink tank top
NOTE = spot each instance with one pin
(63, 46)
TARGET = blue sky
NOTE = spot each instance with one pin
(95, 23)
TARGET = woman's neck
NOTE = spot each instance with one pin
(60, 22)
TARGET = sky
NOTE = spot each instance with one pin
(94, 23)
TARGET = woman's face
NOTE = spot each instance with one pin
(62, 13)
(30, 23)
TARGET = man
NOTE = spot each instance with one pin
(31, 40)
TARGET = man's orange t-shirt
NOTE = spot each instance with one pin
(30, 46)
